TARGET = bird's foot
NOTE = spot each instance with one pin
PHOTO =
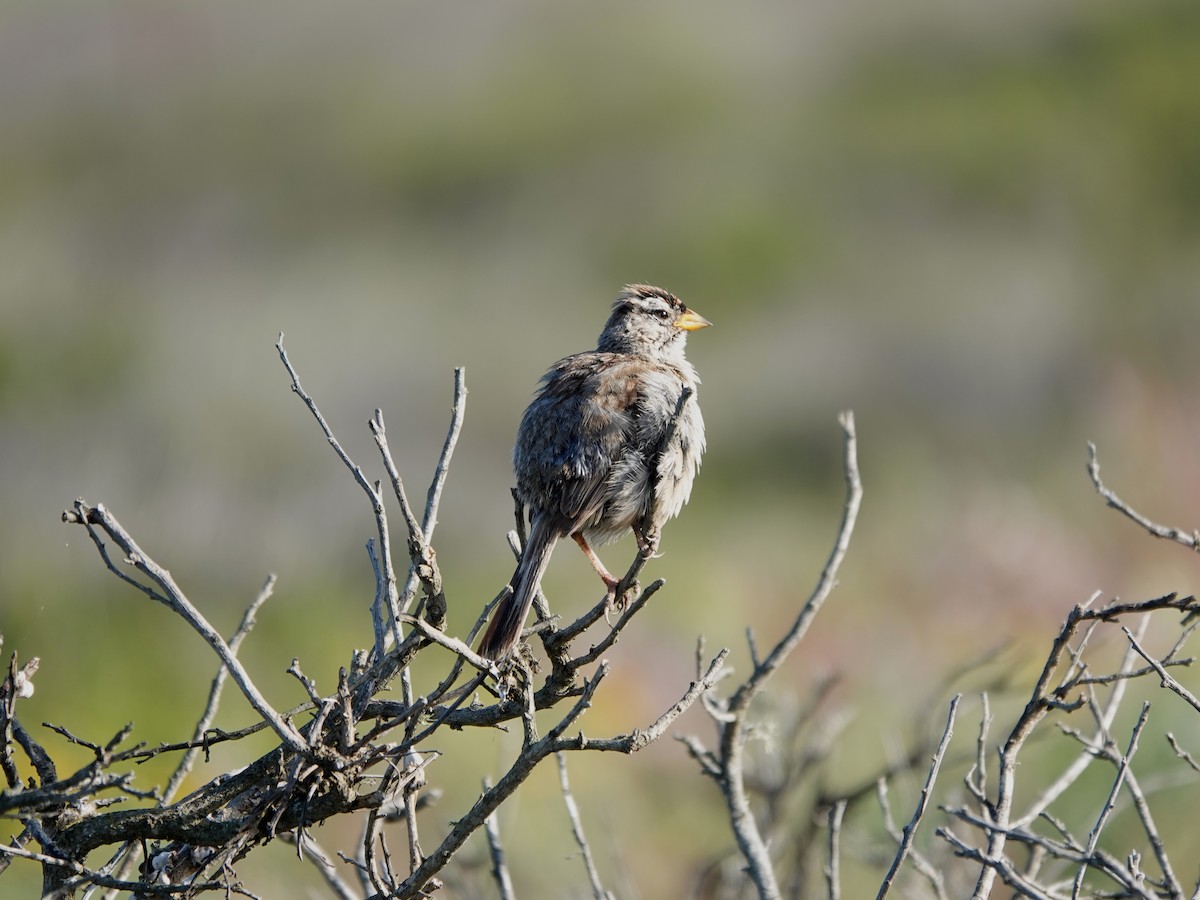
(616, 600)
(514, 670)
(610, 598)
(647, 543)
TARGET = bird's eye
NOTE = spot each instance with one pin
(663, 314)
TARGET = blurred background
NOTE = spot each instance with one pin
(976, 225)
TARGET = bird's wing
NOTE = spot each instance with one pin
(574, 430)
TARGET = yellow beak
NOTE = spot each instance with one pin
(690, 321)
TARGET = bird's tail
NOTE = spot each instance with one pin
(509, 618)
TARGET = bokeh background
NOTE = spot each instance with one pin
(976, 225)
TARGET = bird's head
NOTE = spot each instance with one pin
(648, 321)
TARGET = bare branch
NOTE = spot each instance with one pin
(639, 739)
(1071, 774)
(316, 854)
(598, 891)
(1111, 802)
(935, 878)
(1167, 680)
(387, 572)
(741, 699)
(1182, 754)
(174, 599)
(434, 497)
(1000, 864)
(978, 784)
(730, 758)
(491, 799)
(910, 830)
(500, 871)
(89, 876)
(833, 866)
(214, 695)
(1190, 540)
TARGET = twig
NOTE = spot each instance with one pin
(833, 866)
(434, 497)
(598, 891)
(1191, 540)
(88, 875)
(174, 599)
(1111, 802)
(491, 799)
(977, 785)
(1105, 747)
(1072, 773)
(1182, 754)
(125, 855)
(500, 871)
(554, 742)
(452, 644)
(214, 694)
(935, 878)
(996, 864)
(605, 643)
(641, 738)
(387, 572)
(1047, 696)
(1167, 680)
(734, 732)
(1152, 833)
(316, 854)
(828, 577)
(910, 829)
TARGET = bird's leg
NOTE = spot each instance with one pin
(611, 582)
(606, 576)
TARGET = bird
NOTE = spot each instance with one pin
(611, 442)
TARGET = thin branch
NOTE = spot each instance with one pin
(606, 642)
(453, 644)
(996, 865)
(910, 830)
(174, 599)
(733, 734)
(598, 891)
(1142, 806)
(1105, 747)
(1183, 754)
(387, 573)
(936, 879)
(414, 768)
(500, 873)
(128, 854)
(214, 694)
(316, 854)
(87, 875)
(1072, 773)
(1046, 697)
(833, 866)
(434, 497)
(977, 785)
(641, 738)
(1190, 540)
(491, 799)
(827, 579)
(1167, 680)
(1111, 802)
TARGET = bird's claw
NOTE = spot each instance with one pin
(647, 544)
(610, 599)
(617, 600)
